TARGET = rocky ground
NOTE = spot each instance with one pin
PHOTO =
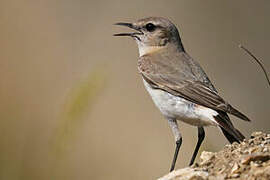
(249, 160)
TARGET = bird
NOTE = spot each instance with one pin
(177, 83)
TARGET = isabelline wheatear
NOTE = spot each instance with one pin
(177, 84)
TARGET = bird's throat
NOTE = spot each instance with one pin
(149, 49)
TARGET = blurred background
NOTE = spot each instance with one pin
(73, 106)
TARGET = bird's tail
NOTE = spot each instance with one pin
(238, 137)
(231, 133)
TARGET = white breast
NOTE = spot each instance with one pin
(176, 107)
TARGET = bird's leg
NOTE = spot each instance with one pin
(178, 145)
(178, 139)
(201, 135)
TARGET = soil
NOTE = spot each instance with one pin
(248, 160)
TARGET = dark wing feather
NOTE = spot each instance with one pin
(192, 84)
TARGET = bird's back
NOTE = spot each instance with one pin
(179, 66)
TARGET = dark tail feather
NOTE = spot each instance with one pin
(237, 138)
(231, 133)
(240, 135)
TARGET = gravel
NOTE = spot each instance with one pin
(248, 160)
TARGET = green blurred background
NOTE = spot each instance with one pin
(73, 106)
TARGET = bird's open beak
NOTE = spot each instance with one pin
(133, 34)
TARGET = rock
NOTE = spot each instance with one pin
(186, 173)
(245, 161)
(235, 168)
(255, 157)
(206, 157)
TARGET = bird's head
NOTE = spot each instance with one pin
(153, 33)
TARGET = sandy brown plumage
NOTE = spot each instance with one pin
(177, 84)
(181, 76)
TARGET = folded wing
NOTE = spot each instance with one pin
(191, 84)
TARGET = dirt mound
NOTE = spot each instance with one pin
(248, 160)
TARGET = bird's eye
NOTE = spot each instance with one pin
(150, 27)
